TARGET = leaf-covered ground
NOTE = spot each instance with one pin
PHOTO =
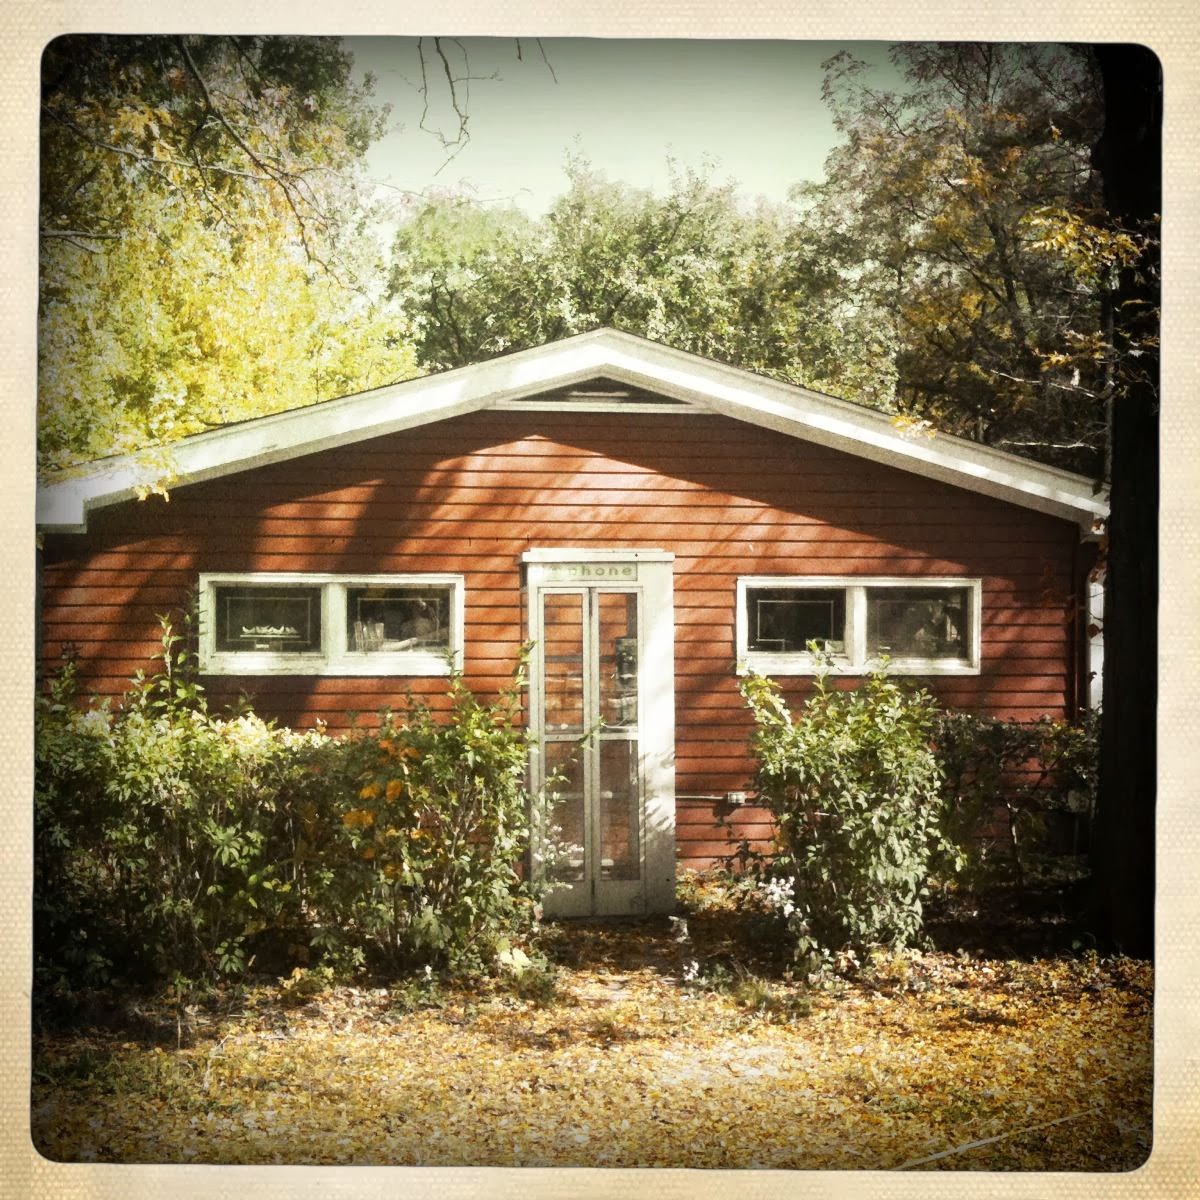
(654, 1052)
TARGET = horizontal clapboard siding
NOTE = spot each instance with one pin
(469, 495)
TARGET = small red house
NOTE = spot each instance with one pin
(654, 522)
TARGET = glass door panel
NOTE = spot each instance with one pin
(620, 810)
(562, 662)
(563, 837)
(618, 659)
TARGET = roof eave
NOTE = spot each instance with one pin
(716, 387)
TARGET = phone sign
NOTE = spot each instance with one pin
(593, 572)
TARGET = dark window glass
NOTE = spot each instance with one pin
(787, 619)
(381, 619)
(280, 619)
(917, 622)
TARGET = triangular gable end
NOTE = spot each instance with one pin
(598, 370)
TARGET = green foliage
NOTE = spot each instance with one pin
(532, 977)
(153, 825)
(962, 207)
(174, 842)
(225, 126)
(855, 790)
(695, 268)
(416, 992)
(161, 335)
(423, 863)
(190, 185)
(1015, 775)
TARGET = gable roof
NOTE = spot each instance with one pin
(693, 383)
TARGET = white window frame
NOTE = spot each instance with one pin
(336, 656)
(854, 660)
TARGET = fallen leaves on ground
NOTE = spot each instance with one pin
(1042, 1065)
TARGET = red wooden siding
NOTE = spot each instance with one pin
(470, 494)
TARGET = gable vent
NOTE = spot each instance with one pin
(601, 394)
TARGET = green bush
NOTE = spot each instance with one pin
(424, 863)
(1005, 781)
(155, 829)
(172, 842)
(855, 790)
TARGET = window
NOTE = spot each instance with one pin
(785, 620)
(918, 623)
(293, 624)
(920, 626)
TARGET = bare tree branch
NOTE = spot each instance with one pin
(542, 51)
(1074, 388)
(79, 233)
(147, 160)
(918, 1162)
(267, 170)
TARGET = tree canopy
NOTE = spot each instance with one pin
(696, 268)
(218, 123)
(964, 205)
(954, 266)
(208, 248)
(204, 255)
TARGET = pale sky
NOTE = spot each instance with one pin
(754, 108)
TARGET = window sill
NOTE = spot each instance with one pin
(804, 664)
(353, 665)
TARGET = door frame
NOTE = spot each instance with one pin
(651, 573)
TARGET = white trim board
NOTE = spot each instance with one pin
(704, 385)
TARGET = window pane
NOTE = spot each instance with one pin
(278, 619)
(787, 619)
(387, 619)
(916, 622)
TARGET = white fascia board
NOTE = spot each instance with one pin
(851, 428)
(708, 385)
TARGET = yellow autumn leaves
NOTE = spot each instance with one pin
(1042, 1065)
(387, 827)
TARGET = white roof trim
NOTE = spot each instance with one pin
(707, 385)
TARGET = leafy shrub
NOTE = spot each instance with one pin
(154, 825)
(1012, 777)
(174, 842)
(416, 992)
(855, 790)
(424, 865)
(533, 977)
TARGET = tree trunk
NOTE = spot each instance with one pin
(1129, 155)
